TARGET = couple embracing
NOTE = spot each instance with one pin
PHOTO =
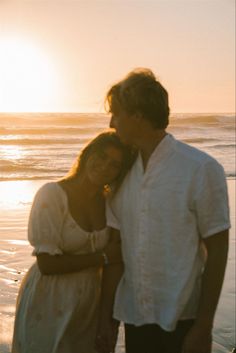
(137, 233)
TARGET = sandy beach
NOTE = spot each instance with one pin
(15, 259)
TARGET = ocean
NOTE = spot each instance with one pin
(44, 145)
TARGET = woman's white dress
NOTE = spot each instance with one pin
(58, 313)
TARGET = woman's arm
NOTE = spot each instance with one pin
(61, 264)
(107, 326)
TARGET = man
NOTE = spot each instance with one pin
(172, 214)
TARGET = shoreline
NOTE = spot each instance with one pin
(15, 202)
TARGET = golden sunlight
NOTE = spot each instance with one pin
(12, 152)
(28, 77)
(17, 194)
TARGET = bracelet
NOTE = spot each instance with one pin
(105, 259)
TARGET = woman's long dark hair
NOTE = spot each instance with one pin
(98, 144)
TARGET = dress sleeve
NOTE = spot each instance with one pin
(46, 220)
(211, 199)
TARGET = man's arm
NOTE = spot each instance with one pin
(199, 339)
(108, 327)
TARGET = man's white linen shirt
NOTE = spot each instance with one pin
(162, 214)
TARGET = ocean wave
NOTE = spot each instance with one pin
(14, 168)
(43, 141)
(30, 166)
(30, 177)
(187, 119)
(48, 130)
(32, 118)
(198, 140)
(209, 143)
(223, 146)
(230, 175)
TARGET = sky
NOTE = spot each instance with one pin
(63, 55)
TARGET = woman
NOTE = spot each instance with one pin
(57, 304)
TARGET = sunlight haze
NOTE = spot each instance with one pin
(62, 56)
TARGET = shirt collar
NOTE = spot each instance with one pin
(162, 151)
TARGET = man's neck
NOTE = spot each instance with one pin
(148, 144)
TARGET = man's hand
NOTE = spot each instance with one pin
(106, 337)
(198, 340)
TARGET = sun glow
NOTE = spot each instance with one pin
(17, 194)
(27, 76)
(12, 152)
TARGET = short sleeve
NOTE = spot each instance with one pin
(111, 218)
(46, 220)
(211, 199)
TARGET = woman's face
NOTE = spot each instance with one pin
(104, 166)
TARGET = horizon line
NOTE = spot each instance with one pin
(104, 113)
